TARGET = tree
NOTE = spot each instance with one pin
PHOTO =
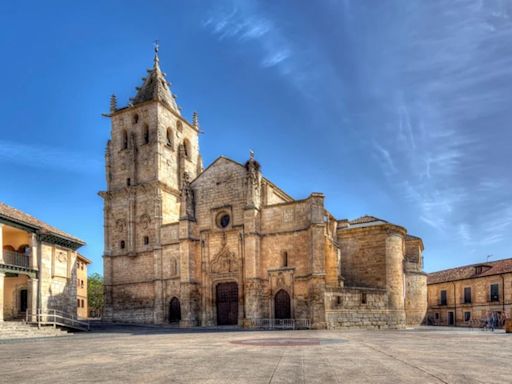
(95, 296)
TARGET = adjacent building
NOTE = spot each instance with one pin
(226, 246)
(82, 309)
(38, 266)
(464, 295)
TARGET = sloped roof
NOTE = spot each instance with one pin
(222, 157)
(366, 219)
(156, 87)
(84, 259)
(20, 217)
(469, 271)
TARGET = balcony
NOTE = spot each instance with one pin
(16, 259)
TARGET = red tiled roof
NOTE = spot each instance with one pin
(469, 271)
(21, 217)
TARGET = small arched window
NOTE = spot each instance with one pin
(124, 139)
(186, 148)
(25, 249)
(179, 126)
(135, 119)
(146, 134)
(169, 137)
(122, 244)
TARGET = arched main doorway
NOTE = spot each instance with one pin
(282, 307)
(227, 303)
(174, 310)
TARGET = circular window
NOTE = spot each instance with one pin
(223, 220)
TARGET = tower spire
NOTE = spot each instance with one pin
(155, 86)
(195, 120)
(156, 47)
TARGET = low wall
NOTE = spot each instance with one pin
(361, 308)
(365, 318)
(137, 316)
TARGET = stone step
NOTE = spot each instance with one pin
(17, 330)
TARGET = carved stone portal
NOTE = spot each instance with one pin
(225, 262)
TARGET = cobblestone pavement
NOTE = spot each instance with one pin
(128, 354)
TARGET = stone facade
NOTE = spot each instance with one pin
(225, 245)
(38, 266)
(464, 296)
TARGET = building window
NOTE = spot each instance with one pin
(467, 316)
(179, 126)
(146, 240)
(169, 137)
(223, 220)
(494, 292)
(82, 266)
(128, 182)
(81, 283)
(338, 300)
(363, 297)
(135, 118)
(122, 244)
(467, 295)
(285, 259)
(444, 299)
(186, 149)
(146, 134)
(125, 140)
(78, 303)
(83, 303)
(437, 315)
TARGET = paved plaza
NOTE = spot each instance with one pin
(163, 355)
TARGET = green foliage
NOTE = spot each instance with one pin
(95, 294)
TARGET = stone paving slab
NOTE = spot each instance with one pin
(117, 354)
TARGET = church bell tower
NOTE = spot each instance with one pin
(152, 153)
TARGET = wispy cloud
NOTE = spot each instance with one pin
(232, 21)
(37, 156)
(248, 25)
(450, 116)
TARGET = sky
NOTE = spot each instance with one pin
(395, 109)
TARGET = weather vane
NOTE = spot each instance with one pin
(156, 45)
(251, 154)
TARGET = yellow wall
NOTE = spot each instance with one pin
(12, 286)
(81, 290)
(15, 237)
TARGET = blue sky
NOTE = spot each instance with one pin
(398, 109)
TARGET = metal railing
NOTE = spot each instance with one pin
(16, 258)
(280, 323)
(56, 318)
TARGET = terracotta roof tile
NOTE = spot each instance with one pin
(24, 218)
(469, 271)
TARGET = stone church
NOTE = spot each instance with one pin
(226, 246)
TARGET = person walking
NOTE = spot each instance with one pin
(494, 321)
